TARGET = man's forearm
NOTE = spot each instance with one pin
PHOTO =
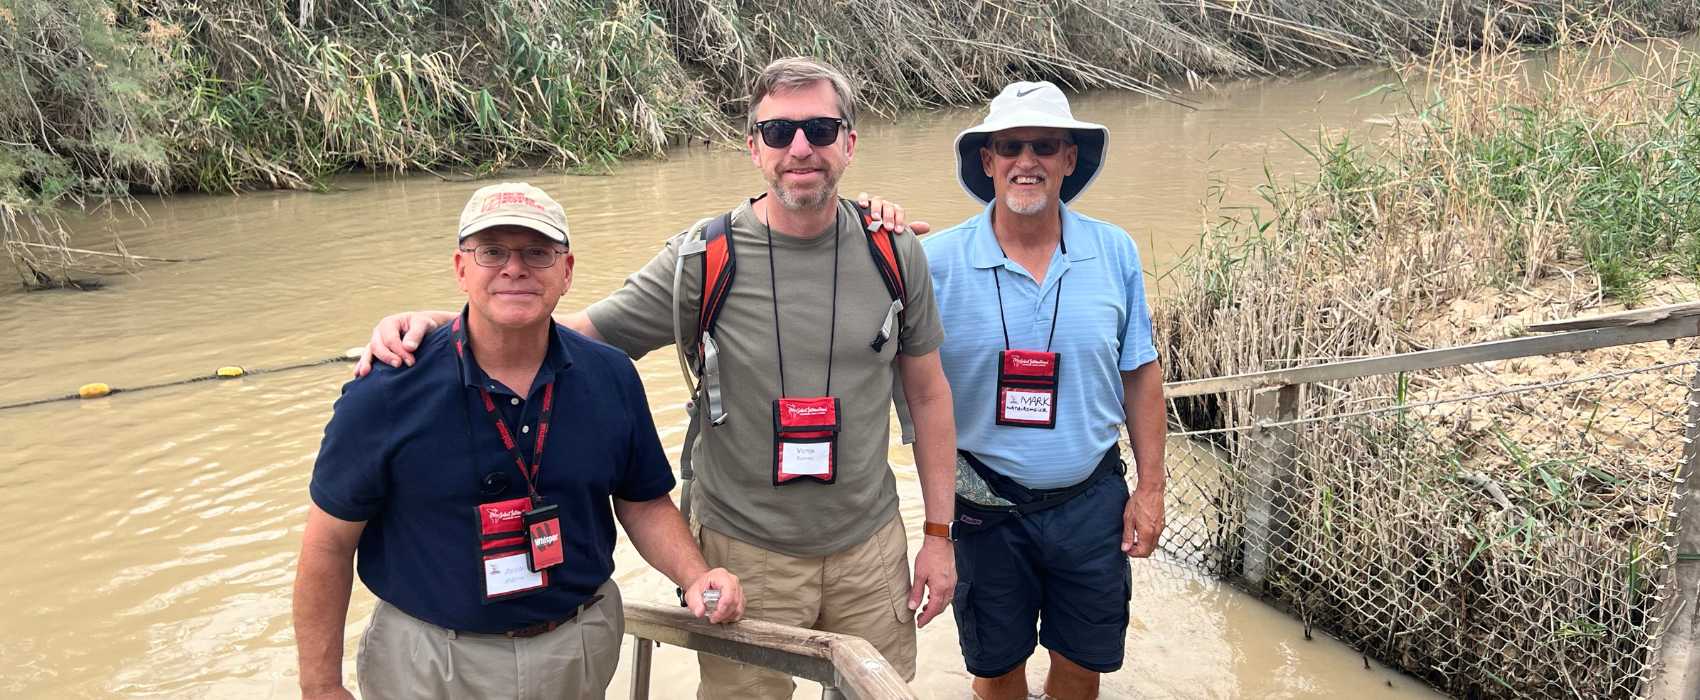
(323, 582)
(1147, 422)
(660, 535)
(580, 322)
(935, 450)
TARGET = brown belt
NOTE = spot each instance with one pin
(540, 628)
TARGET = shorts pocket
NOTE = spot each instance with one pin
(893, 551)
(962, 608)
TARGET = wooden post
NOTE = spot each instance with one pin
(643, 651)
(1677, 671)
(1271, 470)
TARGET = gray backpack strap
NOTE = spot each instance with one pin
(691, 246)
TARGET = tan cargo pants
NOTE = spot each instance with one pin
(861, 591)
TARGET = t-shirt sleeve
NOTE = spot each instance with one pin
(1137, 345)
(350, 480)
(922, 330)
(638, 317)
(647, 474)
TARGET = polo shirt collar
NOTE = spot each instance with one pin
(555, 361)
(983, 251)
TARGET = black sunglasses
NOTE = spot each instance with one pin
(1010, 148)
(820, 131)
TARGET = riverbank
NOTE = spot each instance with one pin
(1498, 529)
(162, 96)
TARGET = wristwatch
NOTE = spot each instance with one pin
(933, 529)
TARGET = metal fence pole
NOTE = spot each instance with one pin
(1271, 466)
(642, 651)
(1678, 674)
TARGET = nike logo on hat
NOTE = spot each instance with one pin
(1029, 91)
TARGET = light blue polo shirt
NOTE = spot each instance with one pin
(1103, 329)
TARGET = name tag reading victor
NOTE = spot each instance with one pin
(1027, 388)
(805, 439)
(505, 551)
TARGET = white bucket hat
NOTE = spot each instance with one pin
(1030, 104)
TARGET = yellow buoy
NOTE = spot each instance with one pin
(93, 391)
(228, 372)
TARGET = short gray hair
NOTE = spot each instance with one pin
(798, 72)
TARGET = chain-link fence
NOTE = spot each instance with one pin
(1497, 541)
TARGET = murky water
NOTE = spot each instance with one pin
(154, 534)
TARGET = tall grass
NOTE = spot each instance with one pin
(109, 97)
(1503, 169)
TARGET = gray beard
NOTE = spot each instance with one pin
(794, 201)
(1027, 208)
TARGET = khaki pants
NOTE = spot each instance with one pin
(404, 657)
(862, 591)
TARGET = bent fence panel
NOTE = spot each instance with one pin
(1505, 530)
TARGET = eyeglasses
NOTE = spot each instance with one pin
(820, 131)
(534, 256)
(1010, 148)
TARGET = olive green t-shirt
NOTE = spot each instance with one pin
(733, 461)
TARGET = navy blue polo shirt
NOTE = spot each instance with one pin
(407, 451)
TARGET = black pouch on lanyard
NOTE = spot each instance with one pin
(1027, 388)
(805, 440)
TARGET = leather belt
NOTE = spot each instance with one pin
(546, 627)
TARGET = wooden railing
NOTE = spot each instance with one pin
(845, 666)
(1628, 328)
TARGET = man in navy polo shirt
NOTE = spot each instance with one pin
(1048, 351)
(479, 488)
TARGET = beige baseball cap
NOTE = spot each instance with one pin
(514, 204)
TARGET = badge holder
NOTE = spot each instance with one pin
(1027, 388)
(543, 534)
(805, 440)
(505, 550)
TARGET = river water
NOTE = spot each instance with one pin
(155, 533)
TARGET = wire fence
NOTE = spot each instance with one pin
(1496, 541)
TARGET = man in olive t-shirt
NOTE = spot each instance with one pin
(804, 306)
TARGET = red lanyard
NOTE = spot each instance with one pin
(508, 441)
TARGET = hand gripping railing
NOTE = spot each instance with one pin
(845, 666)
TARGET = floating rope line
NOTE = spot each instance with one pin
(97, 390)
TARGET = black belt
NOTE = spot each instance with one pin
(972, 517)
(546, 627)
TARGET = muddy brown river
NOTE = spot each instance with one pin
(154, 534)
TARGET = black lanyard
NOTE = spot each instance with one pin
(773, 286)
(1055, 307)
(502, 426)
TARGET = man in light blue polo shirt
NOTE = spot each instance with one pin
(1048, 351)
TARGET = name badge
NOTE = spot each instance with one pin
(1027, 388)
(505, 551)
(805, 439)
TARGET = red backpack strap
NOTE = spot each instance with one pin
(884, 251)
(718, 265)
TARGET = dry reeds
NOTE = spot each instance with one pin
(1507, 545)
(108, 98)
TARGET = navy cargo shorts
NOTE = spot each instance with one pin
(1060, 570)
